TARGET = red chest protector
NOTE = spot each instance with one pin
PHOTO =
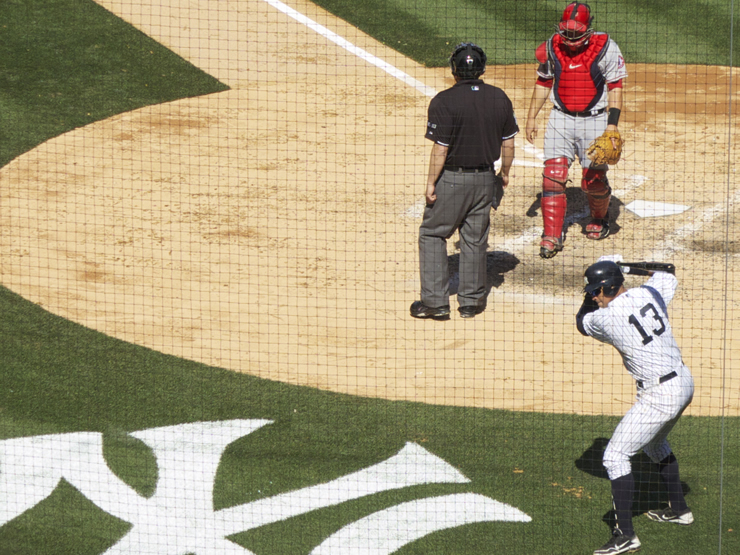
(579, 83)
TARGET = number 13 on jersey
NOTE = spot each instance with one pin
(651, 318)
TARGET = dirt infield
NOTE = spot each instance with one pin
(271, 229)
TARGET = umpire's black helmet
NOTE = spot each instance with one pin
(605, 275)
(468, 61)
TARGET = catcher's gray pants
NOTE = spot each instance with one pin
(569, 137)
(464, 203)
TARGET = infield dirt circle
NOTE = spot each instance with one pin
(272, 229)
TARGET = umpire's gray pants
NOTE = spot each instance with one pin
(464, 203)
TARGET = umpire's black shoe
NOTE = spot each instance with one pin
(420, 310)
(470, 311)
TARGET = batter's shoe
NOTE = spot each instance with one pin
(597, 230)
(550, 246)
(684, 517)
(619, 544)
(420, 310)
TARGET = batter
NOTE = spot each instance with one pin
(635, 322)
(581, 72)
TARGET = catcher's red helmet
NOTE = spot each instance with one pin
(575, 25)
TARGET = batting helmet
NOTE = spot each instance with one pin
(604, 275)
(468, 61)
(575, 24)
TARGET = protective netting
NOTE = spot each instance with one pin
(209, 243)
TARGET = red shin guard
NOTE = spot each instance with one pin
(554, 203)
(553, 215)
(596, 186)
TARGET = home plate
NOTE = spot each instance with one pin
(647, 209)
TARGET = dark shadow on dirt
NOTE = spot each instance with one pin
(498, 263)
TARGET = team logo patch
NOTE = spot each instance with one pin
(475, 88)
(180, 516)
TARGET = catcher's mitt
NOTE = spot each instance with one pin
(602, 150)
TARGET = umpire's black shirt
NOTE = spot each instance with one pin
(472, 119)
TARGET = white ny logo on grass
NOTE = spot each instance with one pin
(179, 518)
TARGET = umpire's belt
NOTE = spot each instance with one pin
(458, 169)
(586, 114)
(657, 381)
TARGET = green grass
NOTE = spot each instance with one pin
(68, 63)
(658, 31)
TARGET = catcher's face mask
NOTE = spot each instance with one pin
(574, 34)
(575, 25)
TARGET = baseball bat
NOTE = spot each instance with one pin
(643, 268)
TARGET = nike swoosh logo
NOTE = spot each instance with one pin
(573, 67)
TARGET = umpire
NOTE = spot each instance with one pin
(472, 125)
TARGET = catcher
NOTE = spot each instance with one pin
(581, 72)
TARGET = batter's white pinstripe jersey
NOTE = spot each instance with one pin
(636, 324)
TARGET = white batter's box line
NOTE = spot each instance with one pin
(539, 299)
(416, 210)
(357, 51)
(518, 243)
(534, 151)
(633, 182)
(675, 241)
(526, 163)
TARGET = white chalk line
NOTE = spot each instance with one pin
(635, 181)
(359, 52)
(675, 241)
